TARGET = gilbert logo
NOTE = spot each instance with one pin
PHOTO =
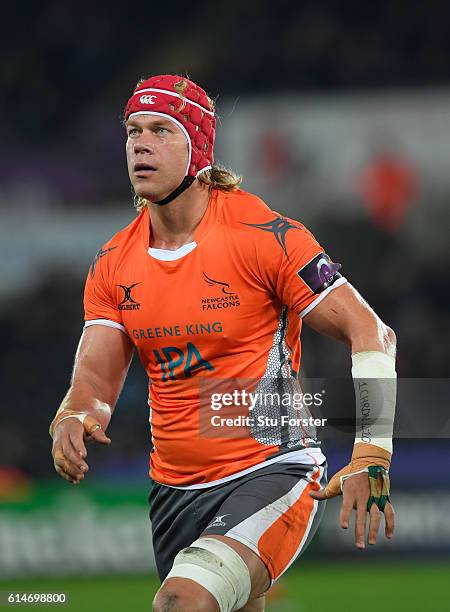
(218, 521)
(147, 99)
(128, 303)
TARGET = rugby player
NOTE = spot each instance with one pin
(208, 283)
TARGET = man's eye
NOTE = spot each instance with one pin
(133, 132)
(162, 130)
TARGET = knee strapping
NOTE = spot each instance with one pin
(218, 568)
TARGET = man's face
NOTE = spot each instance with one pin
(157, 156)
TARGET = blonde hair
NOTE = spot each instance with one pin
(218, 177)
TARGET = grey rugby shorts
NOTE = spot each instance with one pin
(269, 510)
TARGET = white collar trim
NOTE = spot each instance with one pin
(167, 255)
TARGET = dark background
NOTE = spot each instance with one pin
(66, 72)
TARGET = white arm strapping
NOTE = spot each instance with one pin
(375, 381)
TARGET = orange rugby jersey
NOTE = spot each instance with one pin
(228, 308)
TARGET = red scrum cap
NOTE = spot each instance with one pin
(188, 106)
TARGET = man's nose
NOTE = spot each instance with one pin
(143, 146)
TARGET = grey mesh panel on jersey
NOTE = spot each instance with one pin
(279, 380)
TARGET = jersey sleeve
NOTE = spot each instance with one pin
(99, 305)
(297, 268)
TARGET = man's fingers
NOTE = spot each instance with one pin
(61, 472)
(69, 438)
(61, 460)
(72, 455)
(389, 519)
(93, 430)
(64, 475)
(360, 523)
(346, 510)
(69, 450)
(75, 466)
(319, 495)
(374, 524)
(356, 492)
(63, 467)
(78, 444)
(98, 435)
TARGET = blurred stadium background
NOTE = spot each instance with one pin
(337, 114)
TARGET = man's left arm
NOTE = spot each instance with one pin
(344, 315)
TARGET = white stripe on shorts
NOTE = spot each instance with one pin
(250, 530)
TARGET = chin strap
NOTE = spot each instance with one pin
(185, 183)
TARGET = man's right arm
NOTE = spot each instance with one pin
(101, 365)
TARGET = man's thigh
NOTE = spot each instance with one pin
(267, 517)
(270, 519)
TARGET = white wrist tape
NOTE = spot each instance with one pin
(375, 381)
